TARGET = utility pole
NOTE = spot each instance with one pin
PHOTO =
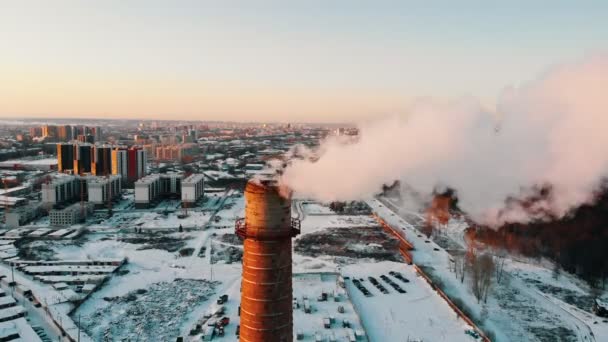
(78, 327)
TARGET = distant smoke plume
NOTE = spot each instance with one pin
(551, 133)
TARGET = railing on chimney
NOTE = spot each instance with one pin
(242, 231)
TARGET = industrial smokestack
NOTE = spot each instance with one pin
(266, 292)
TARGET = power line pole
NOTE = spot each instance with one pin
(78, 327)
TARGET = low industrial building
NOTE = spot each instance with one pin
(9, 201)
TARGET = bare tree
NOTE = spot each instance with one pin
(488, 268)
(555, 272)
(460, 266)
(482, 268)
(500, 265)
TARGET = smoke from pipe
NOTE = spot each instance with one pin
(549, 133)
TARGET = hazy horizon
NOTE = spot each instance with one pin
(272, 62)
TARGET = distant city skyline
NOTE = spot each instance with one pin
(311, 61)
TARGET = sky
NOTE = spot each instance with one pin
(287, 61)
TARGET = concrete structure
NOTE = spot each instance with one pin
(9, 201)
(82, 158)
(96, 131)
(60, 190)
(39, 164)
(192, 188)
(131, 164)
(70, 215)
(35, 132)
(65, 157)
(151, 188)
(266, 295)
(137, 161)
(147, 190)
(175, 152)
(101, 160)
(22, 215)
(65, 133)
(88, 138)
(119, 162)
(49, 131)
(98, 189)
(171, 184)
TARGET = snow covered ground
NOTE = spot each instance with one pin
(524, 306)
(417, 315)
(313, 208)
(313, 223)
(426, 321)
(153, 220)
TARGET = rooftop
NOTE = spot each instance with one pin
(193, 178)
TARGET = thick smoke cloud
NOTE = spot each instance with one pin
(552, 131)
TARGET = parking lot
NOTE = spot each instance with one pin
(392, 299)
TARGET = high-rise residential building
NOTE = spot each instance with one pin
(101, 160)
(88, 138)
(192, 134)
(192, 188)
(147, 190)
(82, 158)
(65, 133)
(35, 132)
(49, 131)
(65, 157)
(119, 163)
(96, 132)
(99, 188)
(82, 130)
(136, 163)
(151, 188)
(60, 190)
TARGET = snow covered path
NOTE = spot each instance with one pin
(49, 297)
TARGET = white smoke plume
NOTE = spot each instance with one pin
(551, 131)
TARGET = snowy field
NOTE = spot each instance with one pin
(314, 208)
(524, 306)
(315, 223)
(152, 220)
(151, 313)
(417, 315)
